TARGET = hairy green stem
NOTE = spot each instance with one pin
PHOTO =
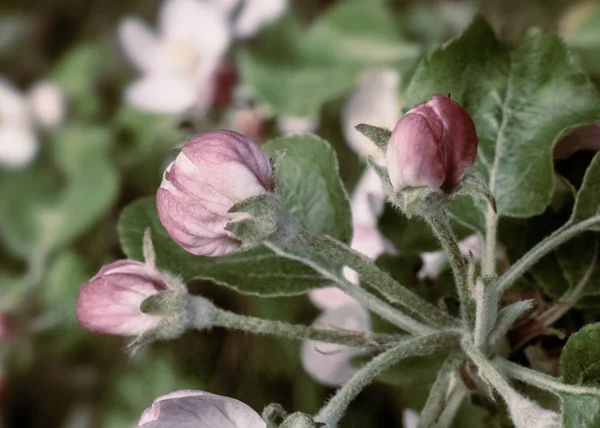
(560, 236)
(448, 415)
(440, 392)
(440, 225)
(333, 411)
(541, 380)
(369, 272)
(368, 300)
(223, 318)
(488, 266)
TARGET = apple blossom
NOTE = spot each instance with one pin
(375, 102)
(213, 172)
(255, 14)
(329, 363)
(178, 63)
(109, 303)
(432, 145)
(47, 104)
(199, 409)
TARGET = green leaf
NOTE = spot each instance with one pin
(44, 210)
(307, 176)
(61, 286)
(521, 100)
(580, 359)
(580, 411)
(321, 62)
(587, 201)
(259, 271)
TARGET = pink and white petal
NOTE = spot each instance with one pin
(410, 418)
(199, 409)
(199, 22)
(330, 298)
(47, 103)
(296, 125)
(140, 44)
(18, 146)
(161, 94)
(330, 363)
(374, 102)
(368, 199)
(256, 14)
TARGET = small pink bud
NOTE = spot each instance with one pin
(432, 145)
(109, 303)
(213, 172)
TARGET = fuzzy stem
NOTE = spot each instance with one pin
(541, 380)
(369, 272)
(439, 393)
(437, 219)
(448, 415)
(560, 236)
(368, 300)
(488, 267)
(223, 318)
(333, 411)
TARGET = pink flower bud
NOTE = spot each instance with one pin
(110, 302)
(213, 172)
(432, 145)
(190, 408)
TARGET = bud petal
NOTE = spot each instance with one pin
(432, 146)
(213, 172)
(110, 302)
(199, 409)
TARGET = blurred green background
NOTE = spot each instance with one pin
(58, 213)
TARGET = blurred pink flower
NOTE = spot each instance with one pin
(329, 363)
(109, 303)
(374, 102)
(213, 172)
(44, 105)
(177, 65)
(199, 409)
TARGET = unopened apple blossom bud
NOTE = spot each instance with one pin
(213, 172)
(110, 303)
(199, 409)
(432, 145)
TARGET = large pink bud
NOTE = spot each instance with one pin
(432, 145)
(109, 303)
(213, 172)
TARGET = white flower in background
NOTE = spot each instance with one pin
(374, 102)
(329, 363)
(296, 125)
(199, 409)
(177, 63)
(47, 104)
(44, 105)
(410, 418)
(434, 261)
(255, 14)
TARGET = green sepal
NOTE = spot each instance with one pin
(300, 420)
(380, 136)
